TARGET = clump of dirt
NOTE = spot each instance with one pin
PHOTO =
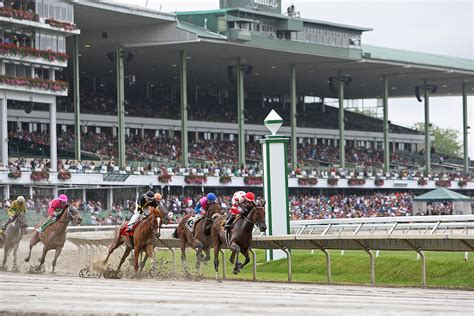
(35, 269)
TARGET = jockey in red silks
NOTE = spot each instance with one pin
(241, 202)
(55, 208)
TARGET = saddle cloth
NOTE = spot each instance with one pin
(190, 223)
(124, 230)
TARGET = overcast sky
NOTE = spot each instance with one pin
(437, 26)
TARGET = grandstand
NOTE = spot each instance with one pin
(189, 93)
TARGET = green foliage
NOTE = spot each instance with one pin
(446, 140)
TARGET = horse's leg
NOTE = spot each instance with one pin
(182, 245)
(117, 243)
(6, 251)
(136, 254)
(56, 255)
(217, 248)
(235, 255)
(33, 241)
(142, 264)
(247, 258)
(43, 258)
(207, 251)
(124, 256)
(15, 257)
(150, 252)
(199, 256)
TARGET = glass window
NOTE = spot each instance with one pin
(48, 45)
(43, 41)
(37, 41)
(63, 12)
(39, 7)
(46, 8)
(54, 42)
(70, 13)
(51, 9)
(9, 69)
(61, 45)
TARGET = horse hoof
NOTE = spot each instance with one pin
(27, 259)
(15, 269)
(235, 272)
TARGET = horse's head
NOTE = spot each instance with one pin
(73, 215)
(213, 209)
(260, 216)
(155, 220)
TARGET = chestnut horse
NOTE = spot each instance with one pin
(54, 235)
(202, 239)
(239, 238)
(143, 236)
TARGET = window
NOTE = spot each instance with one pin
(10, 69)
(61, 44)
(54, 42)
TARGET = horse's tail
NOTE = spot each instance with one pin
(175, 233)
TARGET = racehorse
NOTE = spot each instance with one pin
(12, 237)
(144, 236)
(54, 235)
(239, 238)
(202, 238)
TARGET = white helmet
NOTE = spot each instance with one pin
(21, 199)
(239, 197)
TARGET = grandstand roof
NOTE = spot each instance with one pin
(209, 53)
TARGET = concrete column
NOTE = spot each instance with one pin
(84, 195)
(110, 198)
(294, 141)
(6, 192)
(342, 149)
(142, 132)
(427, 129)
(183, 85)
(55, 192)
(120, 106)
(386, 127)
(465, 129)
(3, 132)
(53, 138)
(240, 111)
(77, 99)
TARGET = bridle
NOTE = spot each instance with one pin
(70, 216)
(154, 223)
(246, 218)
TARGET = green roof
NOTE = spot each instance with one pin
(441, 194)
(199, 31)
(405, 56)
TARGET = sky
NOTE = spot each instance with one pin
(443, 27)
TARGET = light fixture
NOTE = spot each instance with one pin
(362, 85)
(87, 46)
(444, 86)
(394, 88)
(257, 74)
(173, 65)
(188, 57)
(273, 67)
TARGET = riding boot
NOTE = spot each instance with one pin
(5, 226)
(229, 222)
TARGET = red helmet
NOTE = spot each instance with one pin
(250, 197)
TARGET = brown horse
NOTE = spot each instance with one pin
(144, 239)
(202, 238)
(54, 236)
(239, 239)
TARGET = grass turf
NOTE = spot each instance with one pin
(392, 268)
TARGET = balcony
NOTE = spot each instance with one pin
(32, 55)
(40, 86)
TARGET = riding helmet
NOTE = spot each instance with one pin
(211, 197)
(250, 197)
(149, 196)
(158, 196)
(21, 199)
(63, 198)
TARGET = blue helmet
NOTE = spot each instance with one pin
(211, 197)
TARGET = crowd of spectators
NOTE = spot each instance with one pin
(302, 207)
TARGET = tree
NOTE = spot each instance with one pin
(446, 140)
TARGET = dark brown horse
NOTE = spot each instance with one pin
(54, 235)
(202, 238)
(144, 239)
(239, 239)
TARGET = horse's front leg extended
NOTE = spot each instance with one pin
(247, 258)
(235, 256)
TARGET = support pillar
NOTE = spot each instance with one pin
(3, 132)
(465, 129)
(53, 138)
(84, 195)
(427, 130)
(294, 140)
(241, 111)
(386, 127)
(110, 199)
(6, 192)
(342, 149)
(120, 105)
(183, 85)
(275, 184)
(77, 99)
(55, 192)
(30, 192)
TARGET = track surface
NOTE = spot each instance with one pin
(26, 293)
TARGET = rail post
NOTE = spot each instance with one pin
(224, 266)
(423, 261)
(254, 264)
(372, 261)
(328, 260)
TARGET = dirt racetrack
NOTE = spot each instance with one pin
(66, 293)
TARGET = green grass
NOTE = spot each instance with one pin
(444, 269)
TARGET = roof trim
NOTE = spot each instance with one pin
(199, 31)
(416, 58)
(126, 9)
(275, 15)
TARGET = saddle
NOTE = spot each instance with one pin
(125, 232)
(191, 222)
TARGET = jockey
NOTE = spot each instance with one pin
(201, 208)
(241, 202)
(145, 201)
(203, 204)
(55, 208)
(18, 206)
